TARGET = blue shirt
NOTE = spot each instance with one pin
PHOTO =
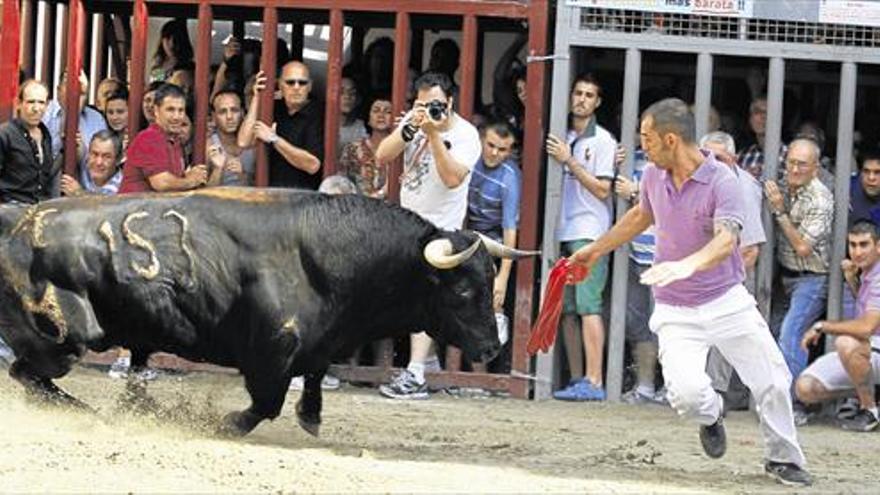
(90, 123)
(862, 206)
(493, 198)
(642, 245)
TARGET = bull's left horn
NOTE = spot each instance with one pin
(499, 250)
(439, 253)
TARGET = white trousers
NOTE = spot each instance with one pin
(733, 324)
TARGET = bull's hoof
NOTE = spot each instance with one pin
(238, 424)
(310, 427)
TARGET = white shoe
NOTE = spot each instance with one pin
(119, 368)
(329, 382)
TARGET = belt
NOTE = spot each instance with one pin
(794, 274)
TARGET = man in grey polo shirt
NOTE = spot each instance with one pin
(696, 208)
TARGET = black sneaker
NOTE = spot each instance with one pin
(788, 474)
(405, 386)
(863, 420)
(714, 439)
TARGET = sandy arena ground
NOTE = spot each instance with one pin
(369, 444)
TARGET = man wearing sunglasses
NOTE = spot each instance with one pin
(296, 138)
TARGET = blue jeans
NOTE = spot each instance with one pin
(805, 301)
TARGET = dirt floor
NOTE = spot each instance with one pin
(369, 444)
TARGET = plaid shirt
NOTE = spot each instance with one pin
(752, 160)
(811, 210)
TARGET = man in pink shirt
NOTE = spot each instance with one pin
(696, 208)
(154, 160)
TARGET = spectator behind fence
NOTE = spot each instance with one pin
(864, 189)
(351, 127)
(102, 175)
(155, 158)
(116, 113)
(439, 150)
(587, 159)
(378, 66)
(148, 109)
(752, 158)
(90, 121)
(639, 300)
(358, 160)
(337, 184)
(106, 88)
(232, 165)
(854, 366)
(752, 236)
(27, 172)
(804, 213)
(296, 138)
(173, 59)
(696, 208)
(509, 86)
(493, 205)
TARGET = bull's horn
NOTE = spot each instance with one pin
(439, 253)
(499, 250)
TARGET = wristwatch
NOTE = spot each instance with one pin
(273, 139)
(817, 327)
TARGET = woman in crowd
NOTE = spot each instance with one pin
(358, 160)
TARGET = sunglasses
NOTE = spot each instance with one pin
(297, 82)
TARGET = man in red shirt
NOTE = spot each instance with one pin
(154, 161)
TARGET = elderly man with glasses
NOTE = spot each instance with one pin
(804, 209)
(296, 138)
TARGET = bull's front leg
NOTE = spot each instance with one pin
(308, 408)
(43, 389)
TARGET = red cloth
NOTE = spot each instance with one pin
(544, 332)
(151, 152)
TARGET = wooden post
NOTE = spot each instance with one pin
(334, 80)
(201, 89)
(703, 96)
(267, 102)
(468, 63)
(9, 52)
(402, 37)
(139, 21)
(75, 42)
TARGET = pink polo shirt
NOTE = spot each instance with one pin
(684, 222)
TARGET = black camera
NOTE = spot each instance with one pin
(436, 109)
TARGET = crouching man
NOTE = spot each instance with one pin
(855, 365)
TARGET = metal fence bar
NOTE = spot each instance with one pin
(703, 93)
(203, 71)
(267, 100)
(75, 46)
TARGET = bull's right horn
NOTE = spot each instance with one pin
(499, 250)
(439, 253)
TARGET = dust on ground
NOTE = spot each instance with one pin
(370, 444)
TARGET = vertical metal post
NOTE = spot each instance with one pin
(75, 45)
(559, 100)
(297, 40)
(334, 79)
(62, 20)
(402, 37)
(703, 96)
(267, 101)
(203, 71)
(139, 25)
(843, 165)
(619, 283)
(468, 64)
(773, 138)
(9, 38)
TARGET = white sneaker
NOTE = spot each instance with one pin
(119, 368)
(329, 382)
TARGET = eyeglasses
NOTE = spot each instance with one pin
(798, 164)
(297, 82)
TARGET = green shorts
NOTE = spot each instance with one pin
(585, 298)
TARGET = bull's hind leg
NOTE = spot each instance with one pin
(308, 408)
(43, 389)
(267, 392)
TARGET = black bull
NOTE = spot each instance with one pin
(271, 282)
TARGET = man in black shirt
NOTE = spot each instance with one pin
(296, 139)
(27, 174)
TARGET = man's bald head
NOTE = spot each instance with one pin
(295, 84)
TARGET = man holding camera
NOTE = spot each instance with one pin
(439, 150)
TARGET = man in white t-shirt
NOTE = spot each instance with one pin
(587, 158)
(439, 150)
